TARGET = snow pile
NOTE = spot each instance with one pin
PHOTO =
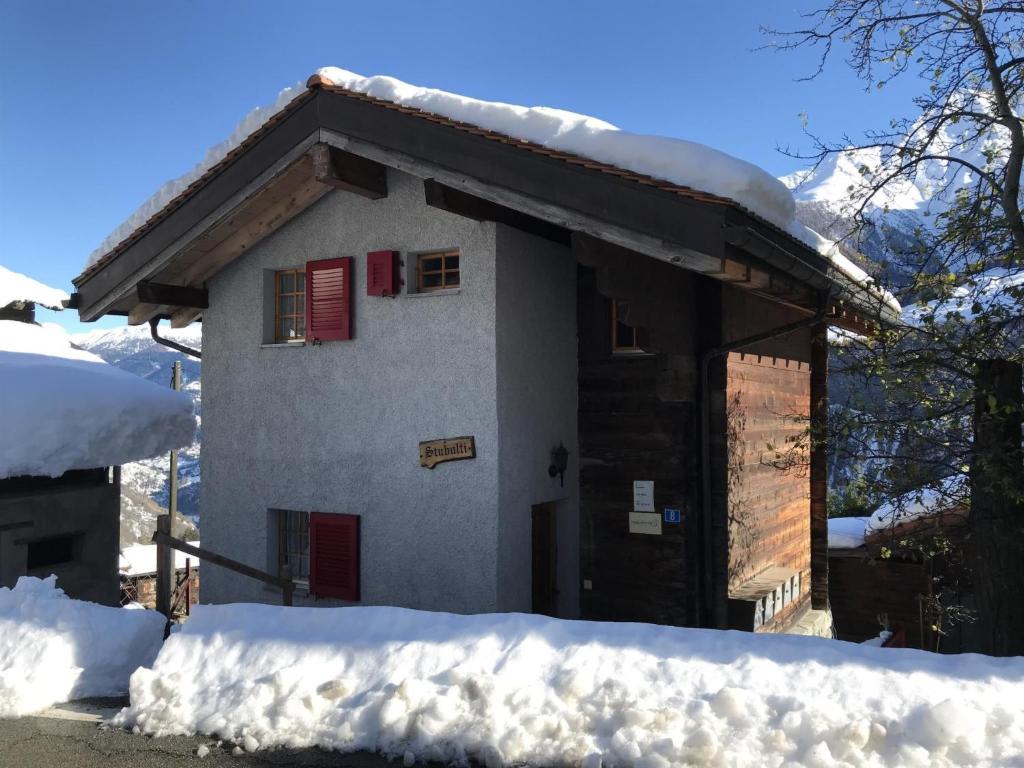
(678, 161)
(140, 559)
(17, 287)
(846, 532)
(513, 688)
(64, 408)
(56, 649)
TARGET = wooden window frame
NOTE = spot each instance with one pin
(635, 348)
(445, 272)
(284, 516)
(299, 317)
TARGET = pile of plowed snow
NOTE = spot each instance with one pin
(55, 649)
(513, 688)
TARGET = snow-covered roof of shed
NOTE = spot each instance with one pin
(140, 559)
(16, 287)
(64, 408)
(677, 161)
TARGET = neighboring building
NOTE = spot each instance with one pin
(902, 569)
(372, 276)
(69, 421)
(138, 577)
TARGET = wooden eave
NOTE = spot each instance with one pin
(280, 170)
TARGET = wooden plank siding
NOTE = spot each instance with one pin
(768, 405)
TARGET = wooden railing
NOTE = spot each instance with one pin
(165, 546)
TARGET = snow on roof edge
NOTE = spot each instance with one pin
(15, 286)
(51, 387)
(675, 160)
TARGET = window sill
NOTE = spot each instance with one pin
(632, 353)
(301, 589)
(441, 292)
(283, 344)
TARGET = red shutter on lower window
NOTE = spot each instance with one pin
(329, 299)
(334, 555)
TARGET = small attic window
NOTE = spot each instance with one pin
(437, 271)
(289, 305)
(625, 339)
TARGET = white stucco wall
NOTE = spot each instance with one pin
(336, 427)
(537, 409)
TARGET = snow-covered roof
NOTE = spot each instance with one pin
(64, 408)
(16, 287)
(140, 559)
(678, 161)
(947, 497)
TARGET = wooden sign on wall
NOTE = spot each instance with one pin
(434, 452)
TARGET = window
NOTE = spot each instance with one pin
(289, 305)
(437, 271)
(322, 551)
(53, 551)
(293, 542)
(624, 337)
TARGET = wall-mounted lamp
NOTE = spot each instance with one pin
(559, 461)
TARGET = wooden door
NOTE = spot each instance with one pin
(545, 559)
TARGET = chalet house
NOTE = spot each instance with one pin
(453, 364)
(69, 420)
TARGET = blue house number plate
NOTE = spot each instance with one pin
(672, 515)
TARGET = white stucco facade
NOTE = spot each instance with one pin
(335, 427)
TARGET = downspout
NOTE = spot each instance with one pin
(716, 611)
(153, 323)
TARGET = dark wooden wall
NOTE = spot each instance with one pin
(637, 421)
(861, 588)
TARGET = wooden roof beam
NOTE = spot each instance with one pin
(352, 173)
(172, 295)
(185, 316)
(445, 198)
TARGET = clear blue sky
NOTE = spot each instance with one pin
(101, 101)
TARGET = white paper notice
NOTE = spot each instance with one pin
(643, 495)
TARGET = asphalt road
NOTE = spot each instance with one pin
(70, 736)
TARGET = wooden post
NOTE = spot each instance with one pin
(164, 567)
(188, 586)
(172, 488)
(288, 591)
(819, 468)
(997, 508)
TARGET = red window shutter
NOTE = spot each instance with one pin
(329, 299)
(382, 273)
(334, 555)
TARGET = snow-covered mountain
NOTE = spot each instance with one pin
(825, 199)
(145, 483)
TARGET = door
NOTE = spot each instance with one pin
(545, 559)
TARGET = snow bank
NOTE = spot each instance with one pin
(56, 649)
(512, 688)
(17, 287)
(678, 161)
(140, 559)
(64, 408)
